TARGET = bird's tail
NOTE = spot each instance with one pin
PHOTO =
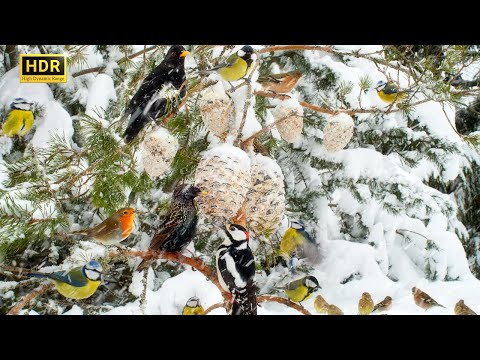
(134, 128)
(78, 232)
(39, 275)
(245, 303)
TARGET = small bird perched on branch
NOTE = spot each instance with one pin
(237, 65)
(462, 309)
(79, 283)
(20, 118)
(297, 240)
(178, 228)
(301, 289)
(193, 307)
(334, 310)
(159, 94)
(424, 300)
(389, 92)
(384, 305)
(365, 304)
(321, 306)
(280, 83)
(236, 270)
(112, 230)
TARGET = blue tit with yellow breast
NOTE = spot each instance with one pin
(297, 240)
(389, 92)
(301, 289)
(237, 65)
(20, 119)
(79, 283)
(193, 307)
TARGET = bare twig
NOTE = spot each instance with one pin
(248, 101)
(267, 298)
(196, 263)
(265, 129)
(122, 60)
(294, 47)
(29, 297)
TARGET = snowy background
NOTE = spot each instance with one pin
(389, 260)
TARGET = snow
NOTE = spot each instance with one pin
(231, 151)
(100, 93)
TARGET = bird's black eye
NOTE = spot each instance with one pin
(232, 228)
(125, 212)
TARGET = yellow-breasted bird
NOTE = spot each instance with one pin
(389, 92)
(19, 120)
(301, 289)
(112, 230)
(423, 300)
(193, 307)
(462, 309)
(280, 83)
(297, 239)
(321, 306)
(365, 304)
(79, 283)
(237, 65)
(334, 310)
(384, 305)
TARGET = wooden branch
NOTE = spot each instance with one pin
(213, 307)
(278, 299)
(196, 263)
(121, 61)
(265, 129)
(294, 47)
(29, 297)
(268, 298)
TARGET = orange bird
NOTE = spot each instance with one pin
(112, 230)
(280, 83)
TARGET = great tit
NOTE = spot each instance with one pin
(389, 92)
(297, 240)
(280, 83)
(365, 304)
(193, 307)
(237, 65)
(19, 120)
(159, 94)
(301, 289)
(236, 270)
(79, 283)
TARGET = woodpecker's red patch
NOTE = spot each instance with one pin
(246, 234)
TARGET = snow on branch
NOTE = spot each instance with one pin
(29, 297)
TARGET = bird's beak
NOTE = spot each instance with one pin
(184, 53)
(204, 193)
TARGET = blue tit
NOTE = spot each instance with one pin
(389, 92)
(237, 65)
(297, 239)
(79, 283)
(19, 120)
(301, 289)
(193, 307)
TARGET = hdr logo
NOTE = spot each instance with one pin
(43, 68)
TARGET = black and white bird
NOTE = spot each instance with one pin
(159, 93)
(236, 270)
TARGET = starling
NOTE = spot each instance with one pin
(424, 300)
(236, 270)
(178, 228)
(280, 83)
(159, 93)
(383, 305)
(462, 309)
(365, 304)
